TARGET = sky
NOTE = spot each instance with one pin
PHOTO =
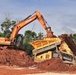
(59, 14)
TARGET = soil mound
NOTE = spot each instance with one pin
(21, 58)
(15, 57)
(56, 65)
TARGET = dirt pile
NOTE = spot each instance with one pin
(21, 58)
(57, 65)
(15, 57)
(54, 64)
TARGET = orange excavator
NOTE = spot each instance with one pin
(16, 39)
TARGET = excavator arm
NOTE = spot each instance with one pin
(28, 20)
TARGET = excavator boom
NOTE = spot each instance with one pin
(28, 20)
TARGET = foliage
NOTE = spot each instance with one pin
(28, 48)
(6, 27)
(30, 36)
(74, 37)
(1, 34)
(40, 36)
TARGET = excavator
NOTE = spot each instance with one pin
(44, 49)
(16, 39)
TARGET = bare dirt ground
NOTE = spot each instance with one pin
(17, 62)
(14, 70)
(10, 70)
(50, 73)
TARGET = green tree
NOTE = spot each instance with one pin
(1, 34)
(7, 26)
(74, 37)
(40, 36)
(28, 37)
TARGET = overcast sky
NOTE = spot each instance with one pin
(60, 14)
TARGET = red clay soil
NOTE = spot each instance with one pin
(56, 65)
(15, 57)
(21, 58)
(13, 70)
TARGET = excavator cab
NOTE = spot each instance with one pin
(18, 41)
